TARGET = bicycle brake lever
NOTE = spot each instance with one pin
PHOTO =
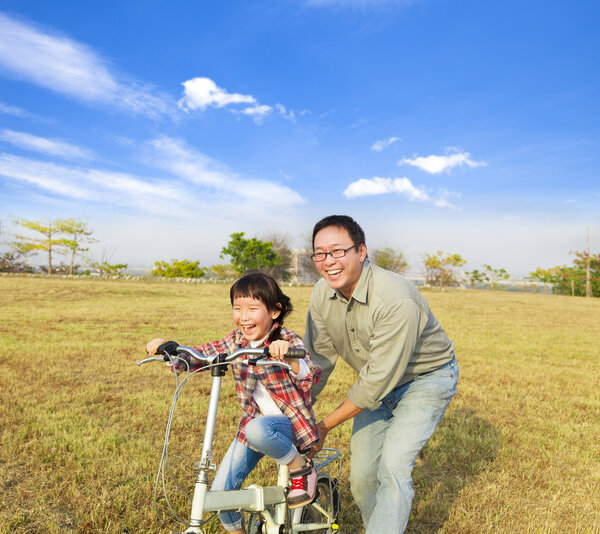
(262, 363)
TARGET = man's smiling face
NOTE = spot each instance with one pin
(340, 273)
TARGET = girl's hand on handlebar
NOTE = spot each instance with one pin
(152, 346)
(278, 349)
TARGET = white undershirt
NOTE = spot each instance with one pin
(261, 395)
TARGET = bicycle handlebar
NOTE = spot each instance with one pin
(264, 353)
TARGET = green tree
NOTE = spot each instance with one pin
(250, 254)
(78, 236)
(440, 268)
(545, 276)
(48, 243)
(223, 271)
(495, 275)
(178, 269)
(109, 269)
(572, 280)
(389, 259)
(476, 277)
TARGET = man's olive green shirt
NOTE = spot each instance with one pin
(385, 332)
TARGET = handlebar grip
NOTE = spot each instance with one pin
(295, 353)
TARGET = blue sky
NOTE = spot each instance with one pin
(471, 127)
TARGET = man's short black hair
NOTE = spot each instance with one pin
(341, 221)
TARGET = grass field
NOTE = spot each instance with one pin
(81, 425)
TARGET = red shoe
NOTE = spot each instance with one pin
(304, 486)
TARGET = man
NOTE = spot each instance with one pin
(382, 327)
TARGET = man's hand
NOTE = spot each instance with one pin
(323, 431)
(346, 410)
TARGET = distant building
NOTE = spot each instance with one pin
(303, 270)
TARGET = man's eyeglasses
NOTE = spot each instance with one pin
(336, 253)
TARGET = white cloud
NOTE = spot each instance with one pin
(378, 146)
(68, 67)
(175, 157)
(51, 147)
(90, 184)
(199, 93)
(402, 186)
(437, 164)
(382, 186)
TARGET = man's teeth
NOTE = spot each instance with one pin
(337, 271)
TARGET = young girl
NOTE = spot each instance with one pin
(277, 415)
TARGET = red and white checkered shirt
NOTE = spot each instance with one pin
(290, 394)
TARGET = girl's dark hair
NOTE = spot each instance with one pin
(263, 287)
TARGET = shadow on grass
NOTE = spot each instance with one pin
(461, 447)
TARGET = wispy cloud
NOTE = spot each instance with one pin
(443, 199)
(382, 186)
(402, 186)
(51, 147)
(360, 4)
(68, 67)
(259, 112)
(438, 164)
(285, 113)
(14, 110)
(378, 146)
(174, 156)
(90, 184)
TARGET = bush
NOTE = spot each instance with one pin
(178, 269)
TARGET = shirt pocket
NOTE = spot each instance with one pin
(364, 339)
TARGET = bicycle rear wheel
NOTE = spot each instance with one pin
(328, 500)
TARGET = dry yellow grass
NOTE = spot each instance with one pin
(81, 425)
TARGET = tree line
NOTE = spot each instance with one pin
(272, 254)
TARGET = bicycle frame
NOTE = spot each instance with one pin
(254, 498)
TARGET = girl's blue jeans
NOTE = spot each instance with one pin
(272, 436)
(385, 444)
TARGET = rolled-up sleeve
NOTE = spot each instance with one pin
(395, 333)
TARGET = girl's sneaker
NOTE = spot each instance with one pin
(304, 486)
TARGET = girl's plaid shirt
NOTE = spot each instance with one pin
(291, 395)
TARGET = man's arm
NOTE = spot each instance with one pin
(346, 410)
(320, 347)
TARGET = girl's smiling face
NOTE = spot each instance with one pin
(252, 317)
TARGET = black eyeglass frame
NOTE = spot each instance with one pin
(314, 255)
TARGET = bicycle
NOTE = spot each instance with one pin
(266, 506)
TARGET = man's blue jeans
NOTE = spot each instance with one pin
(385, 444)
(271, 435)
